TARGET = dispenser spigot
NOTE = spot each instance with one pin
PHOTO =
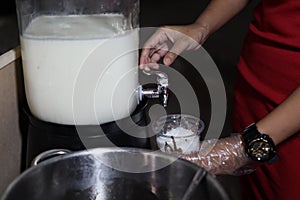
(161, 92)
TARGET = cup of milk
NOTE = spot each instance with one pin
(178, 133)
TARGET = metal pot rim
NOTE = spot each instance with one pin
(99, 151)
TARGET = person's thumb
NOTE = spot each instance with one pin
(176, 50)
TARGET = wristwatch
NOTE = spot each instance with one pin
(259, 147)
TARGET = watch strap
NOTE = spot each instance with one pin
(251, 133)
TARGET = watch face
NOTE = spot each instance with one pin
(259, 149)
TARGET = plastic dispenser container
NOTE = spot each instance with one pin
(80, 68)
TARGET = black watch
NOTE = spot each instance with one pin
(259, 147)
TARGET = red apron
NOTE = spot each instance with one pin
(269, 71)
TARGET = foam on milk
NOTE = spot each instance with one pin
(80, 66)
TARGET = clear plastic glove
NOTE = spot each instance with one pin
(224, 156)
(187, 37)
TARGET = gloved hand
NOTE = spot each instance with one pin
(224, 156)
(187, 37)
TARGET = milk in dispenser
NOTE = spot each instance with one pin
(58, 38)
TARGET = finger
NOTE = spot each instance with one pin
(146, 55)
(177, 49)
(163, 49)
(155, 58)
(160, 52)
(150, 66)
(153, 55)
(147, 52)
(169, 58)
(144, 58)
(154, 66)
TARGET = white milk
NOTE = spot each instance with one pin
(183, 140)
(80, 69)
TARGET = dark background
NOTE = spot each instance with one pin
(7, 6)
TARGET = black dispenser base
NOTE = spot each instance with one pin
(42, 136)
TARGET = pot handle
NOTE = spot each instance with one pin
(49, 154)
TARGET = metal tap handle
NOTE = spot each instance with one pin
(163, 95)
(161, 91)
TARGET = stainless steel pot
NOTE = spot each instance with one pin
(115, 174)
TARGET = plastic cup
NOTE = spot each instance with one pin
(178, 133)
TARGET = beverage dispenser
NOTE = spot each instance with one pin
(80, 68)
